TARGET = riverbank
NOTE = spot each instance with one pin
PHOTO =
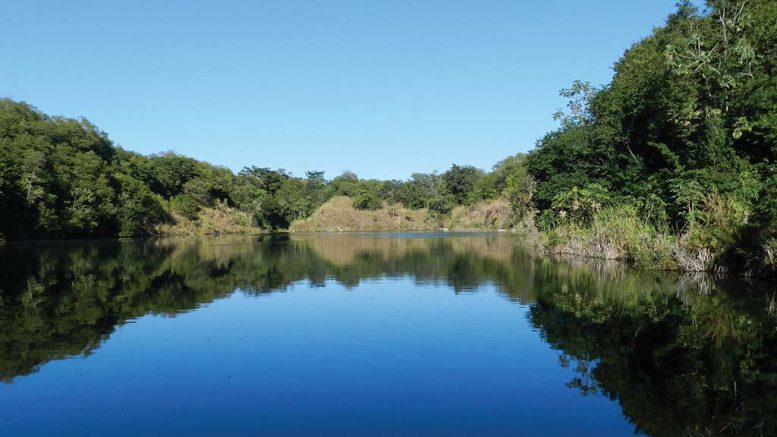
(618, 233)
(718, 244)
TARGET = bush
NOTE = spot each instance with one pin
(185, 205)
(580, 205)
(365, 200)
(547, 220)
(441, 205)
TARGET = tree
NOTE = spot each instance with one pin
(365, 199)
(519, 190)
(460, 181)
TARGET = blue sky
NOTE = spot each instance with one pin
(380, 87)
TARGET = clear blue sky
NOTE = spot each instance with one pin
(379, 87)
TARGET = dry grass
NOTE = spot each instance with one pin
(339, 215)
(770, 253)
(693, 258)
(219, 220)
(491, 214)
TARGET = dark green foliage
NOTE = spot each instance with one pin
(171, 172)
(256, 193)
(419, 190)
(682, 106)
(562, 161)
(138, 208)
(64, 178)
(459, 181)
(516, 184)
(315, 189)
(580, 205)
(272, 215)
(186, 205)
(493, 184)
(275, 198)
(685, 131)
(57, 177)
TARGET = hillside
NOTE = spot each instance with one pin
(339, 215)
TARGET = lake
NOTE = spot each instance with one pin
(374, 334)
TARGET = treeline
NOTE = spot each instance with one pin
(61, 178)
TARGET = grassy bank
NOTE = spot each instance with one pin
(720, 236)
(719, 239)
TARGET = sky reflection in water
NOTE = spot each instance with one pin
(460, 334)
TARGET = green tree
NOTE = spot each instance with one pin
(365, 199)
(460, 181)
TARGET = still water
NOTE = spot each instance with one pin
(373, 334)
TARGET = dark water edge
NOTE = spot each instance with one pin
(675, 354)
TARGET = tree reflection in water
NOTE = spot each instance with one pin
(682, 355)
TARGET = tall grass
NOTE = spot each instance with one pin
(615, 233)
(718, 236)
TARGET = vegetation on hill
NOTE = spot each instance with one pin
(671, 165)
(342, 214)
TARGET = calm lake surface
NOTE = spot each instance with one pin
(373, 334)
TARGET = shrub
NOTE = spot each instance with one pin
(441, 205)
(365, 200)
(547, 220)
(580, 205)
(185, 205)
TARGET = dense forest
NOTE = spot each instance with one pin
(671, 165)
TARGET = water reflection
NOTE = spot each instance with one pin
(682, 355)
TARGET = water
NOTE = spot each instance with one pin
(373, 334)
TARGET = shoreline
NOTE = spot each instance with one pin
(534, 239)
